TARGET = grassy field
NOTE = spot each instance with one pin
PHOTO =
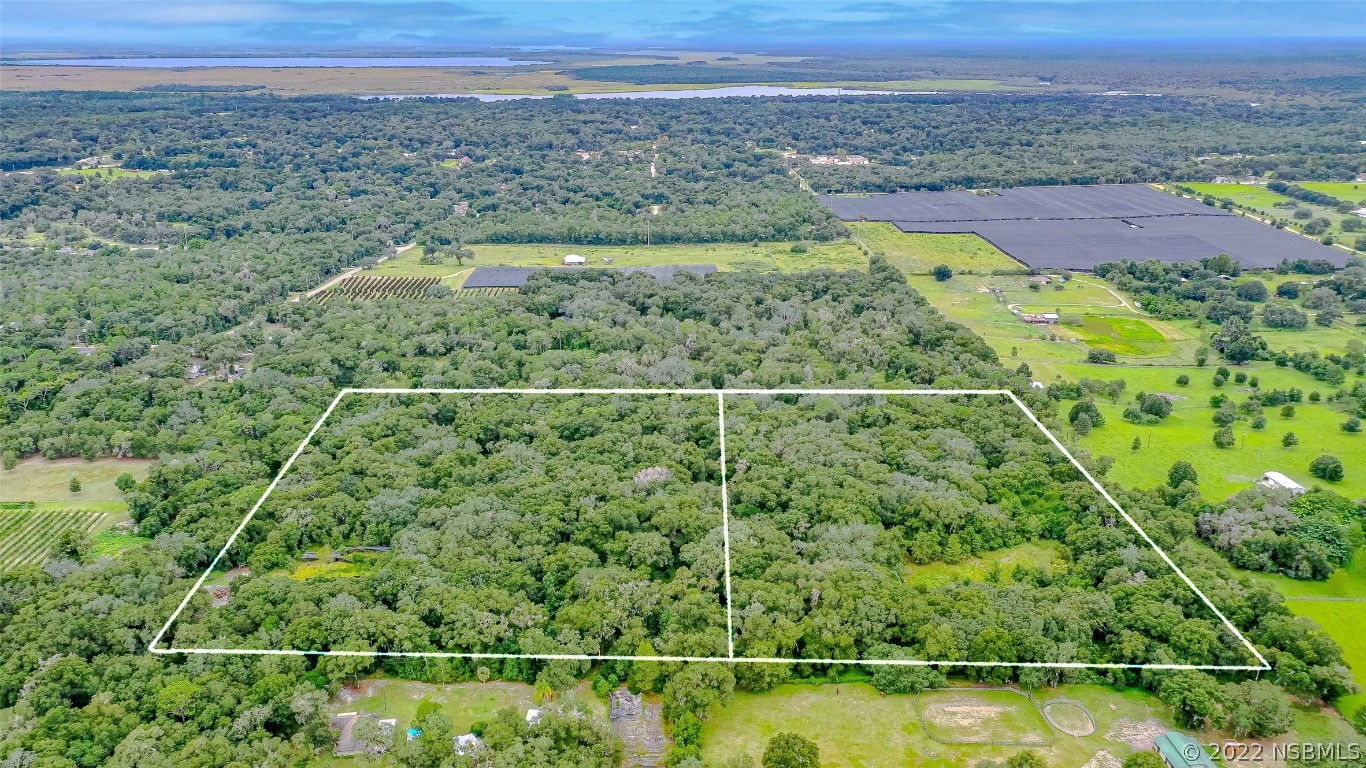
(1045, 555)
(38, 479)
(841, 255)
(1188, 432)
(1341, 621)
(977, 717)
(856, 727)
(1245, 194)
(1095, 317)
(113, 173)
(1351, 191)
(919, 253)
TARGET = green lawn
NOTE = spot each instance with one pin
(1341, 621)
(1045, 555)
(856, 727)
(1245, 194)
(841, 255)
(918, 253)
(1188, 432)
(39, 479)
(1351, 191)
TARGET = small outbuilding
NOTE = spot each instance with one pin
(575, 260)
(533, 716)
(1278, 480)
(466, 744)
(1181, 751)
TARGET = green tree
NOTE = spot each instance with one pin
(1181, 472)
(125, 482)
(177, 698)
(791, 750)
(1026, 759)
(74, 485)
(942, 272)
(1327, 468)
(1224, 438)
(1290, 440)
(1144, 760)
(1136, 444)
(1257, 708)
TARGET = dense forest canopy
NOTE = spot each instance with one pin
(519, 524)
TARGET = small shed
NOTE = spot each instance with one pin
(575, 260)
(1278, 480)
(533, 716)
(466, 743)
(1181, 751)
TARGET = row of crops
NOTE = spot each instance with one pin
(366, 287)
(474, 293)
(27, 535)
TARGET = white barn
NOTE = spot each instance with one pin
(1278, 480)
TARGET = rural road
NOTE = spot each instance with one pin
(315, 291)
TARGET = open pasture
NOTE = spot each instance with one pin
(766, 256)
(40, 479)
(856, 727)
(27, 532)
(982, 717)
(918, 253)
(1350, 191)
(1342, 621)
(983, 304)
(1188, 432)
(370, 287)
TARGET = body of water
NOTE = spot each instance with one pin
(283, 61)
(685, 93)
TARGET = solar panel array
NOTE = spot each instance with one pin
(1082, 226)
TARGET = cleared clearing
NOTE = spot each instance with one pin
(40, 479)
(918, 253)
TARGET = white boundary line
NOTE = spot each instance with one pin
(725, 533)
(725, 524)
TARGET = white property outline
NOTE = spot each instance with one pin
(725, 536)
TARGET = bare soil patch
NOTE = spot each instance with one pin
(1138, 735)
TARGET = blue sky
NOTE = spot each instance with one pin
(309, 24)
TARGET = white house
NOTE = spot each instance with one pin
(1277, 480)
(466, 743)
(533, 716)
(575, 260)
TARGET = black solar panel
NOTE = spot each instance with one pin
(1079, 227)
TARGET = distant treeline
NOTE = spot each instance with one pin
(187, 88)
